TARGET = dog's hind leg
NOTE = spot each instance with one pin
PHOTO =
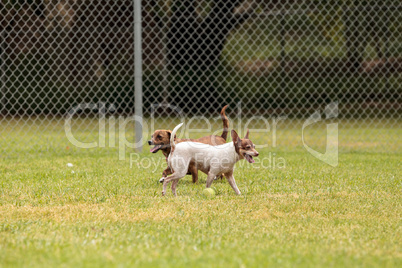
(194, 172)
(174, 185)
(175, 177)
(165, 173)
(232, 182)
(179, 167)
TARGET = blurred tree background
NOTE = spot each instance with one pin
(201, 54)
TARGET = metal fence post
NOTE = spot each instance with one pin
(138, 72)
(2, 74)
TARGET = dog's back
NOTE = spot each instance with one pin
(212, 140)
(219, 158)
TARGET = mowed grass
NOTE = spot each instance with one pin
(294, 210)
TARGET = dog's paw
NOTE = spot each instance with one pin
(163, 193)
(162, 180)
(219, 177)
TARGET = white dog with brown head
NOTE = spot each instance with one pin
(212, 160)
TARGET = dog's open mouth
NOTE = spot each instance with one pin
(249, 158)
(155, 149)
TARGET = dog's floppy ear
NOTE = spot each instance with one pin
(246, 137)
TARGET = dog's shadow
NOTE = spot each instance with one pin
(200, 181)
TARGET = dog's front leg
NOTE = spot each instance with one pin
(210, 179)
(232, 182)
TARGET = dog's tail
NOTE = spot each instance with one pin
(172, 136)
(225, 122)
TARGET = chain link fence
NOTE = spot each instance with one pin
(261, 57)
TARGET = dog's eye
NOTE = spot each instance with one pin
(248, 147)
(159, 136)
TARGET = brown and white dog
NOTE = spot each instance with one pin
(161, 139)
(212, 160)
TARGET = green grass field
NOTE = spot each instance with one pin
(111, 213)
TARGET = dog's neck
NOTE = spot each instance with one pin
(231, 148)
(236, 153)
(166, 151)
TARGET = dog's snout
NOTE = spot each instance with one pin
(149, 142)
(256, 153)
